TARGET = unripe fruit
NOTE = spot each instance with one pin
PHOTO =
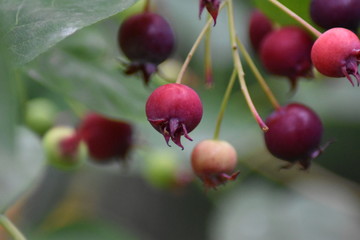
(294, 134)
(147, 40)
(174, 110)
(336, 13)
(63, 149)
(106, 138)
(336, 53)
(286, 52)
(214, 161)
(259, 27)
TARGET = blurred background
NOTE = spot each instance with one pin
(134, 200)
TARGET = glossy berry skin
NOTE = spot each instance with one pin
(336, 53)
(286, 52)
(107, 139)
(294, 134)
(174, 110)
(259, 27)
(147, 40)
(336, 13)
(214, 161)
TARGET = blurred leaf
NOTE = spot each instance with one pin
(301, 8)
(20, 170)
(33, 26)
(87, 230)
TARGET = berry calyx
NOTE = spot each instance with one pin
(107, 139)
(63, 149)
(214, 161)
(336, 53)
(212, 7)
(294, 135)
(174, 110)
(286, 52)
(336, 13)
(259, 27)
(147, 40)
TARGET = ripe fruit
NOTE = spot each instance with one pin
(259, 27)
(294, 134)
(212, 6)
(174, 110)
(63, 149)
(147, 40)
(286, 52)
(336, 53)
(336, 13)
(106, 138)
(214, 161)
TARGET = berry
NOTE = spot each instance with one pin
(336, 53)
(336, 13)
(147, 40)
(286, 52)
(212, 6)
(106, 138)
(63, 149)
(214, 161)
(174, 110)
(259, 27)
(294, 134)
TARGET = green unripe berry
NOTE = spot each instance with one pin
(63, 149)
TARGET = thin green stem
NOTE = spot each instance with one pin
(258, 75)
(11, 228)
(296, 17)
(194, 47)
(239, 69)
(208, 61)
(224, 104)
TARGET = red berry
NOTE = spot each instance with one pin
(214, 161)
(106, 138)
(147, 40)
(294, 134)
(336, 53)
(174, 110)
(259, 27)
(212, 6)
(286, 52)
(336, 13)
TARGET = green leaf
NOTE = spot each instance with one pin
(19, 170)
(33, 26)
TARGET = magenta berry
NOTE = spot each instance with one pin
(106, 138)
(259, 27)
(212, 6)
(286, 52)
(336, 13)
(174, 110)
(147, 40)
(294, 134)
(336, 53)
(214, 161)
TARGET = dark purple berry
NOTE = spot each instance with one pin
(147, 40)
(212, 6)
(106, 138)
(259, 27)
(174, 110)
(336, 53)
(286, 52)
(294, 134)
(336, 13)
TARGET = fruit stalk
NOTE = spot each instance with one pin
(258, 75)
(239, 69)
(208, 62)
(224, 104)
(11, 228)
(194, 47)
(296, 17)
